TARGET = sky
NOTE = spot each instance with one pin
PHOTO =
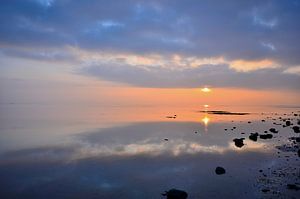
(60, 45)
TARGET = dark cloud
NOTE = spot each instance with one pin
(207, 28)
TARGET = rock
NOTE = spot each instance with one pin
(220, 171)
(296, 129)
(298, 152)
(265, 190)
(288, 123)
(239, 142)
(263, 120)
(253, 136)
(175, 194)
(166, 139)
(293, 187)
(266, 136)
(273, 130)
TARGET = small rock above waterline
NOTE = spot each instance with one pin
(253, 136)
(220, 171)
(175, 194)
(293, 187)
(273, 130)
(265, 136)
(296, 129)
(239, 142)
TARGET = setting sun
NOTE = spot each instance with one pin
(205, 90)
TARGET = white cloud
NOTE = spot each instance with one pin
(269, 46)
(268, 23)
(293, 70)
(247, 66)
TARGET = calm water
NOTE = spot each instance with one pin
(91, 151)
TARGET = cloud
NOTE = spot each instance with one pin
(167, 37)
(214, 75)
(269, 46)
(246, 66)
(293, 70)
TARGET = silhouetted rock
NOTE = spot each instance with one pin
(175, 194)
(293, 187)
(220, 171)
(265, 136)
(298, 152)
(288, 123)
(265, 190)
(166, 139)
(239, 142)
(273, 130)
(253, 136)
(296, 129)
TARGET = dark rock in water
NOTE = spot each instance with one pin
(299, 153)
(293, 187)
(249, 122)
(295, 139)
(288, 123)
(239, 142)
(263, 120)
(273, 130)
(265, 190)
(175, 194)
(266, 136)
(166, 139)
(296, 129)
(220, 170)
(253, 136)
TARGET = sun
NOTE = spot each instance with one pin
(206, 90)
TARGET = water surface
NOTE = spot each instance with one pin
(140, 152)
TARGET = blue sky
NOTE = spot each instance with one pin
(177, 44)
